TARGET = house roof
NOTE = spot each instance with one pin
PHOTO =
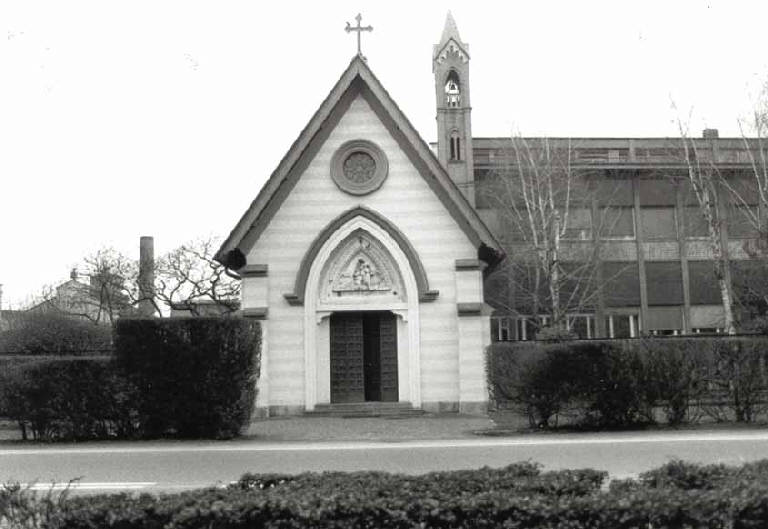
(357, 79)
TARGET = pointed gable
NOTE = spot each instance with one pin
(356, 81)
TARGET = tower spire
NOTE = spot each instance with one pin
(450, 31)
(450, 65)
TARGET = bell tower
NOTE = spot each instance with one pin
(450, 66)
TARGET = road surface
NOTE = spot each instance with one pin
(171, 466)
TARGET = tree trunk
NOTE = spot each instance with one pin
(725, 293)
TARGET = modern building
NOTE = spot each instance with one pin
(654, 271)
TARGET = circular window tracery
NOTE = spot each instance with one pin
(359, 167)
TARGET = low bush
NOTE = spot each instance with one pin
(598, 383)
(22, 507)
(518, 496)
(195, 377)
(621, 383)
(68, 399)
(515, 478)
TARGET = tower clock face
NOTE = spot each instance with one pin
(359, 167)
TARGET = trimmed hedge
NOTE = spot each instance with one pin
(191, 378)
(518, 496)
(622, 383)
(68, 399)
(51, 333)
(195, 377)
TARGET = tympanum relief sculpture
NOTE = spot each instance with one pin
(361, 267)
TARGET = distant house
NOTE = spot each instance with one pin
(93, 301)
(205, 307)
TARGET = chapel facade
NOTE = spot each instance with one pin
(364, 260)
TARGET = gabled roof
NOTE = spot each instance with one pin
(357, 79)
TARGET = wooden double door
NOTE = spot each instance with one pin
(363, 357)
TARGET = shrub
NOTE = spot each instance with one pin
(517, 496)
(21, 507)
(677, 371)
(67, 399)
(620, 383)
(617, 392)
(523, 376)
(51, 333)
(604, 383)
(195, 377)
(739, 370)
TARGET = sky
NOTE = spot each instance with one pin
(165, 118)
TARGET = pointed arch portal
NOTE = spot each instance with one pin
(360, 284)
(424, 293)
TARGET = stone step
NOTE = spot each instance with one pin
(366, 409)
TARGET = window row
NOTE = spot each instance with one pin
(658, 223)
(661, 321)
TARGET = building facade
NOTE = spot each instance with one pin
(364, 261)
(640, 223)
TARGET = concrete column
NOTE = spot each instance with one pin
(640, 257)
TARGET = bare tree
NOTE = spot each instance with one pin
(186, 277)
(751, 200)
(706, 182)
(543, 203)
(190, 276)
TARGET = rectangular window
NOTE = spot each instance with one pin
(703, 283)
(658, 223)
(615, 192)
(617, 222)
(743, 221)
(621, 284)
(579, 224)
(657, 192)
(665, 320)
(695, 223)
(706, 317)
(664, 283)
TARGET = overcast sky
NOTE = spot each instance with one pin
(122, 119)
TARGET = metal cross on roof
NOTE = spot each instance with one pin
(359, 29)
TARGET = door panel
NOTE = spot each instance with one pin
(363, 357)
(347, 382)
(388, 355)
(372, 356)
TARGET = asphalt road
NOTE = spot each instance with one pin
(170, 466)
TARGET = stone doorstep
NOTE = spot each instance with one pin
(365, 409)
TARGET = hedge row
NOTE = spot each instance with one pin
(67, 399)
(622, 383)
(190, 378)
(675, 496)
(53, 333)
